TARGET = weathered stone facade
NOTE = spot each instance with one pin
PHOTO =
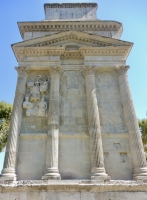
(73, 116)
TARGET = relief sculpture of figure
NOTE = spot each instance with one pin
(43, 86)
(29, 107)
(35, 92)
(42, 106)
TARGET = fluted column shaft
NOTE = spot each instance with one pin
(10, 161)
(52, 171)
(136, 146)
(96, 148)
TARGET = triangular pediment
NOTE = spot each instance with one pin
(71, 38)
(72, 43)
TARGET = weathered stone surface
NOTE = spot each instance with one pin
(70, 11)
(42, 190)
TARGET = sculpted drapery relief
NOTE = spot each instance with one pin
(34, 103)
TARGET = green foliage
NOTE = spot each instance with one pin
(143, 128)
(5, 115)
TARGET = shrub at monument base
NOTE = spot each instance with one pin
(5, 115)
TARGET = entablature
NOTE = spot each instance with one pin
(58, 26)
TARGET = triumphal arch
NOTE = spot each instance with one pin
(73, 126)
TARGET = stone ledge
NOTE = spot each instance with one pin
(74, 185)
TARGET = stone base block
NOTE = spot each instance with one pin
(73, 190)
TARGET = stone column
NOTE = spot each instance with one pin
(96, 148)
(9, 169)
(52, 171)
(136, 146)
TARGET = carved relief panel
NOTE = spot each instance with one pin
(35, 105)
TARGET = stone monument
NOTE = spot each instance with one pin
(73, 132)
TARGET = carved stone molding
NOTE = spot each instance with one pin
(122, 70)
(52, 26)
(21, 52)
(107, 51)
(22, 71)
(70, 5)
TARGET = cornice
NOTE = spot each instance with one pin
(105, 51)
(22, 52)
(70, 5)
(73, 35)
(58, 26)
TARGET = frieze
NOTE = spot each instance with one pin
(94, 51)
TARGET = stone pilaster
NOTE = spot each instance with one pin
(96, 148)
(136, 146)
(9, 169)
(52, 171)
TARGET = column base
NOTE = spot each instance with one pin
(99, 175)
(140, 174)
(52, 174)
(8, 174)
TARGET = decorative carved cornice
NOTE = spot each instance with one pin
(89, 70)
(22, 71)
(22, 52)
(70, 5)
(105, 51)
(122, 70)
(58, 26)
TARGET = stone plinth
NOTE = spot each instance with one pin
(75, 190)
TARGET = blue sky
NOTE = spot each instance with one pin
(132, 14)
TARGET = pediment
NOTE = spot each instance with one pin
(71, 43)
(72, 38)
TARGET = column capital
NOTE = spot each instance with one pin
(122, 70)
(22, 71)
(54, 70)
(89, 70)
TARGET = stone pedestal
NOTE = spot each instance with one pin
(10, 162)
(136, 146)
(96, 148)
(52, 171)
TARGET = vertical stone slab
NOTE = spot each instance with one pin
(52, 171)
(9, 169)
(96, 148)
(136, 146)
